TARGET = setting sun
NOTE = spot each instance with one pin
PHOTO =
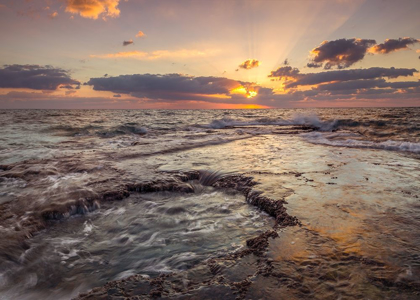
(251, 94)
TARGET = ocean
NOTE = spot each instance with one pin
(249, 204)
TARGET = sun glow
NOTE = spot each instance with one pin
(241, 90)
(251, 94)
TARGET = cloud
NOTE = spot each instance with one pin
(127, 54)
(159, 54)
(284, 73)
(176, 87)
(341, 53)
(35, 77)
(249, 64)
(129, 42)
(300, 79)
(392, 45)
(92, 9)
(140, 34)
(175, 91)
(367, 84)
(314, 65)
(70, 92)
(53, 15)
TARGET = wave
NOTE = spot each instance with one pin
(352, 141)
(298, 120)
(376, 129)
(101, 131)
(310, 120)
(122, 130)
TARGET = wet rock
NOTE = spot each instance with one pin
(273, 207)
(259, 244)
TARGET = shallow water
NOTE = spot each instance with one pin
(145, 234)
(349, 175)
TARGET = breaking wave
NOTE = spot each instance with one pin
(350, 140)
(100, 131)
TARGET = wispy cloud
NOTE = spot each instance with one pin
(159, 54)
(126, 54)
(53, 15)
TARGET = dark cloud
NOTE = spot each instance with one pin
(367, 84)
(346, 75)
(129, 42)
(172, 86)
(341, 53)
(249, 64)
(69, 87)
(391, 45)
(286, 62)
(350, 85)
(35, 77)
(314, 65)
(285, 73)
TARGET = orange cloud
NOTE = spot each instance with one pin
(246, 90)
(159, 54)
(53, 15)
(140, 34)
(92, 9)
(128, 54)
(249, 64)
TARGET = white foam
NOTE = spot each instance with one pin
(297, 119)
(331, 140)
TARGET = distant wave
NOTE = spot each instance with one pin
(298, 119)
(101, 131)
(310, 120)
(345, 140)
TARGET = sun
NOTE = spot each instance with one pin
(251, 94)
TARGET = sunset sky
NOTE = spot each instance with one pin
(209, 54)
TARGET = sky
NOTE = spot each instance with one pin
(199, 54)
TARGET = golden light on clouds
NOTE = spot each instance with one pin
(239, 90)
(140, 34)
(127, 54)
(158, 54)
(53, 15)
(252, 94)
(249, 64)
(92, 9)
(248, 92)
